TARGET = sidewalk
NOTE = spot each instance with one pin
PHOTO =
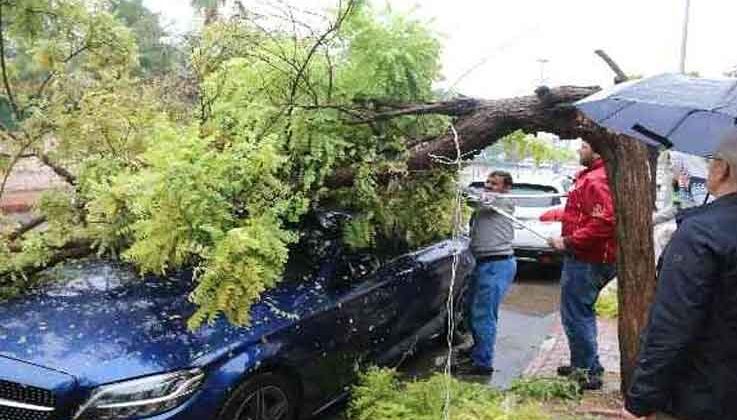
(554, 351)
(604, 404)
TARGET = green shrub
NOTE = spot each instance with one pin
(607, 305)
(545, 389)
(381, 395)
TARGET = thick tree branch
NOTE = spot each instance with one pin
(549, 110)
(456, 107)
(26, 227)
(59, 170)
(74, 249)
(483, 122)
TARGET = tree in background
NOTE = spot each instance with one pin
(208, 8)
(156, 56)
(66, 75)
(518, 146)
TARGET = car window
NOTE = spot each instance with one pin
(308, 256)
(544, 199)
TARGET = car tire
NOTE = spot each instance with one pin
(264, 396)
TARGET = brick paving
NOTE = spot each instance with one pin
(604, 404)
(19, 201)
(554, 350)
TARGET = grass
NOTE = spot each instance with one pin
(607, 305)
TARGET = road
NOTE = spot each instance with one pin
(525, 320)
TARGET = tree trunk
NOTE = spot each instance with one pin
(628, 167)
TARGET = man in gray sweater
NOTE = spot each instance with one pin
(491, 244)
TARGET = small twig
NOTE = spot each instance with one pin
(620, 75)
(3, 67)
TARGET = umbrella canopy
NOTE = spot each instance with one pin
(688, 114)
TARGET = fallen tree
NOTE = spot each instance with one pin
(289, 120)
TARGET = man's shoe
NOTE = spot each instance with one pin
(591, 382)
(587, 381)
(564, 370)
(471, 369)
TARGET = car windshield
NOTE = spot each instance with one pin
(533, 190)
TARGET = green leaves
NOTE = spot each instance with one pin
(381, 395)
(276, 116)
(519, 145)
(248, 261)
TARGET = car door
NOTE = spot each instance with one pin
(434, 277)
(372, 300)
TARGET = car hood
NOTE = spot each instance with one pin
(102, 323)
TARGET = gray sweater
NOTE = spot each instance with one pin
(491, 233)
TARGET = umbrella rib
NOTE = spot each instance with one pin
(726, 97)
(682, 120)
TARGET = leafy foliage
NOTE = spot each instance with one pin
(608, 303)
(381, 395)
(546, 389)
(277, 113)
(65, 67)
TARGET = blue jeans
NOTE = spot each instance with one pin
(490, 283)
(581, 283)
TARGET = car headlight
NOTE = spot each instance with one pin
(141, 397)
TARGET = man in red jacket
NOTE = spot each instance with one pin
(589, 242)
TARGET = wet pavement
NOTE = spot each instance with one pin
(527, 319)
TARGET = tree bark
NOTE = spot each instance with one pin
(629, 177)
(482, 122)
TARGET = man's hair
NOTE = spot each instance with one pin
(727, 151)
(594, 146)
(504, 175)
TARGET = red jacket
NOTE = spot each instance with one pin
(588, 218)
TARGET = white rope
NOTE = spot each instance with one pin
(450, 304)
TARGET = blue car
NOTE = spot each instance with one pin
(97, 341)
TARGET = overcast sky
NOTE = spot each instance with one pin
(503, 41)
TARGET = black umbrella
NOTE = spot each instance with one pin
(689, 114)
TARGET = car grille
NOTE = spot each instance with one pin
(21, 402)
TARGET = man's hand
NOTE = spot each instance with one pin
(557, 243)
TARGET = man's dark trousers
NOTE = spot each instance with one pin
(581, 283)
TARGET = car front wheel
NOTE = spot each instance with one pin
(265, 396)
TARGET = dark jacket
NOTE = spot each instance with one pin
(687, 364)
(588, 219)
